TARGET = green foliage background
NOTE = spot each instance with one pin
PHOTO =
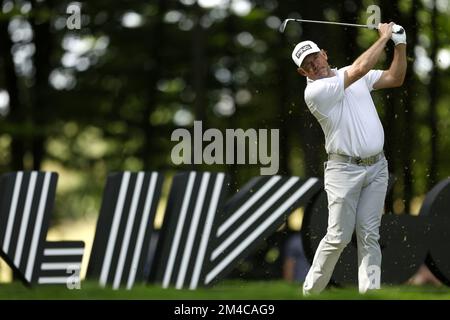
(107, 97)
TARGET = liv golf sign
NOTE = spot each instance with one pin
(205, 233)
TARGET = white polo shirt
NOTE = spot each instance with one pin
(348, 117)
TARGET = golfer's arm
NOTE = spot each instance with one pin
(395, 75)
(365, 62)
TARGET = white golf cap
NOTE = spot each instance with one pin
(303, 49)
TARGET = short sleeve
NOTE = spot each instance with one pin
(371, 77)
(322, 95)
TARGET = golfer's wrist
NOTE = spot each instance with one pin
(384, 39)
(398, 42)
(398, 45)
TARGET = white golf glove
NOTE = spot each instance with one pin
(398, 34)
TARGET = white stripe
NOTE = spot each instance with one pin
(114, 227)
(60, 266)
(260, 229)
(64, 252)
(193, 230)
(128, 229)
(12, 211)
(178, 231)
(37, 227)
(269, 184)
(58, 280)
(258, 213)
(144, 225)
(206, 231)
(25, 218)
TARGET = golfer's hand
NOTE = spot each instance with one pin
(398, 34)
(385, 30)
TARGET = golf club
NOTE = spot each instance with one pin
(285, 22)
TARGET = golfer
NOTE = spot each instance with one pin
(356, 173)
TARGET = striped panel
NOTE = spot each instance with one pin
(250, 216)
(184, 245)
(124, 228)
(61, 262)
(25, 207)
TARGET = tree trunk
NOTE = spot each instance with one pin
(230, 51)
(433, 91)
(156, 44)
(284, 119)
(392, 102)
(311, 135)
(16, 114)
(199, 69)
(408, 132)
(349, 15)
(41, 109)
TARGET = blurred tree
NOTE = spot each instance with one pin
(41, 108)
(16, 115)
(409, 86)
(108, 96)
(433, 94)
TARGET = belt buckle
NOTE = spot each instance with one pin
(364, 162)
(359, 161)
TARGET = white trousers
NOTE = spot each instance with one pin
(356, 197)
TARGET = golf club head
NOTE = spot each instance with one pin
(283, 25)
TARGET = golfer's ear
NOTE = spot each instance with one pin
(301, 72)
(324, 53)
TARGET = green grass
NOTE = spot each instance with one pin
(228, 290)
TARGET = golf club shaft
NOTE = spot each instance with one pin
(283, 26)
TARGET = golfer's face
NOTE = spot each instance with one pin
(315, 65)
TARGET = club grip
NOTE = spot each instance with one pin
(374, 27)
